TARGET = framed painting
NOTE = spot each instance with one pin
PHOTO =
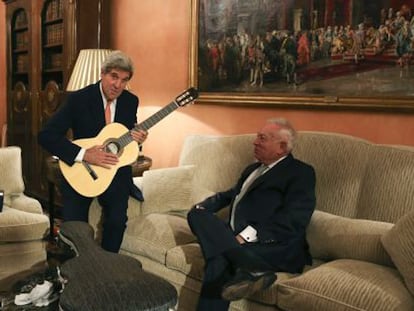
(304, 53)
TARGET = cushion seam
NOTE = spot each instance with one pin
(317, 295)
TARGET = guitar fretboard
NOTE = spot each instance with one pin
(148, 123)
(157, 117)
(183, 99)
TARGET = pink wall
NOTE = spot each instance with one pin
(3, 70)
(156, 35)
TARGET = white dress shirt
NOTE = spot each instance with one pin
(81, 154)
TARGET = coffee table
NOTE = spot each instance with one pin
(24, 281)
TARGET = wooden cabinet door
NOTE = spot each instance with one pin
(19, 79)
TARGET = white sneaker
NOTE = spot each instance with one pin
(36, 296)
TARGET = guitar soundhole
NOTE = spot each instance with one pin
(112, 147)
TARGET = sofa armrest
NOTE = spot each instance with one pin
(334, 237)
(24, 203)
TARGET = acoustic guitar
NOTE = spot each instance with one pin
(92, 180)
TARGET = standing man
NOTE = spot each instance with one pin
(86, 112)
(270, 207)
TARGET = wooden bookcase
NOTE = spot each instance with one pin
(43, 41)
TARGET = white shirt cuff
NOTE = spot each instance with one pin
(79, 157)
(249, 234)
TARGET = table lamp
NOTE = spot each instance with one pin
(87, 69)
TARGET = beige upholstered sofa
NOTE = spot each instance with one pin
(361, 236)
(23, 226)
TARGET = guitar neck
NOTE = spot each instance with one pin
(148, 123)
(183, 99)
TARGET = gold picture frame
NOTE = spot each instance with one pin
(377, 89)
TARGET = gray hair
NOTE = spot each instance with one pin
(118, 60)
(287, 131)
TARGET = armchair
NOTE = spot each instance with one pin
(23, 226)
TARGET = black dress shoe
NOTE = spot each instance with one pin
(245, 283)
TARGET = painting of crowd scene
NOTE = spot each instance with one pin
(262, 45)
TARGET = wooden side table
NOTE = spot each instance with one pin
(142, 164)
(54, 178)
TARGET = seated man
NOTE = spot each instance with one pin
(271, 206)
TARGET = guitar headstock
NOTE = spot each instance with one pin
(186, 97)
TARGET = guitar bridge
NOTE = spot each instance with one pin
(90, 170)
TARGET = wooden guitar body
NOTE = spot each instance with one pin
(80, 178)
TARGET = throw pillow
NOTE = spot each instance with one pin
(336, 237)
(399, 243)
(168, 189)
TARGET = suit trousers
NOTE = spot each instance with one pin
(114, 202)
(223, 254)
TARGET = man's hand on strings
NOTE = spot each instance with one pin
(139, 136)
(98, 156)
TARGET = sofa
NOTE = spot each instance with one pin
(23, 225)
(361, 235)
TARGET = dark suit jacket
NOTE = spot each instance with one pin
(279, 205)
(83, 113)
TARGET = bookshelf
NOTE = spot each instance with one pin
(52, 43)
(20, 47)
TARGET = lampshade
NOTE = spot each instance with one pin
(87, 68)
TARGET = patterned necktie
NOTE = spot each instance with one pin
(252, 177)
(108, 113)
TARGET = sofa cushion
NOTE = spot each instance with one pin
(167, 189)
(345, 285)
(17, 226)
(337, 193)
(399, 243)
(154, 234)
(187, 259)
(219, 159)
(335, 237)
(388, 187)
